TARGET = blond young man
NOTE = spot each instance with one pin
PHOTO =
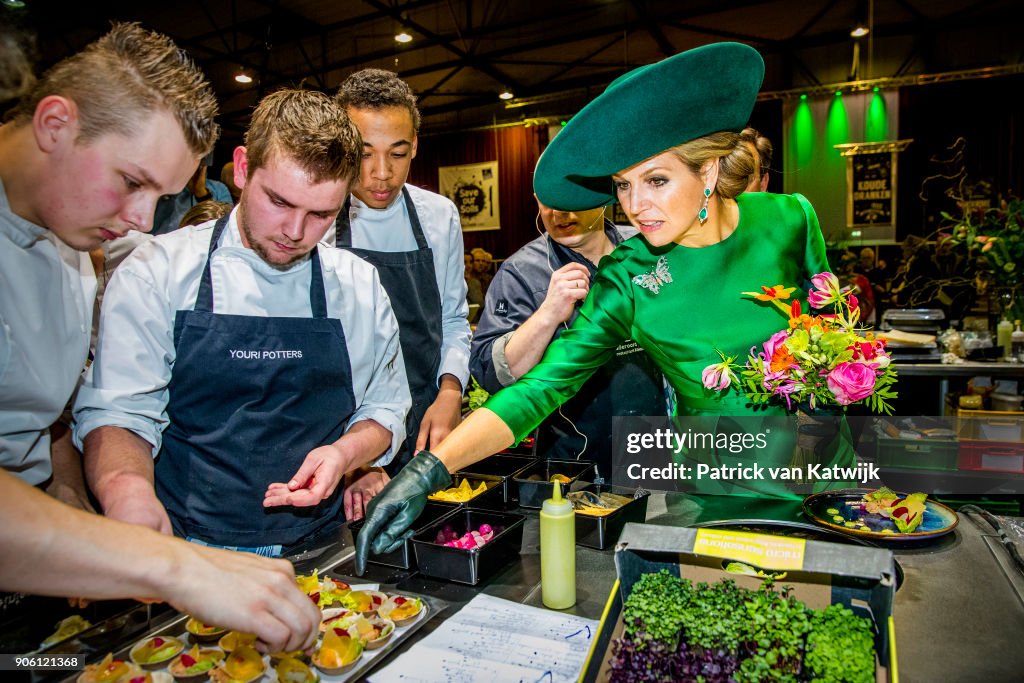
(91, 148)
(259, 366)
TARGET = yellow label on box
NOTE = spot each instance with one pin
(767, 552)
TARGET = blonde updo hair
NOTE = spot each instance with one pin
(737, 161)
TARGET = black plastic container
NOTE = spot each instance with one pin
(469, 566)
(504, 466)
(491, 499)
(404, 558)
(603, 531)
(533, 493)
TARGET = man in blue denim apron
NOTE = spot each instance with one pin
(414, 239)
(270, 366)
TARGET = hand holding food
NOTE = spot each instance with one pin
(315, 480)
(392, 512)
(244, 592)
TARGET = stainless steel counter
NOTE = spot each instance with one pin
(959, 614)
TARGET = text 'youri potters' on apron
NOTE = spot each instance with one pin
(250, 397)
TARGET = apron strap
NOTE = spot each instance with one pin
(343, 225)
(317, 293)
(204, 300)
(417, 229)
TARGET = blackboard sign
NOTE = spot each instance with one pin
(872, 189)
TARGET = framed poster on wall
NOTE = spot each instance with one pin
(474, 190)
(871, 188)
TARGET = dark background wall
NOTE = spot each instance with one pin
(982, 112)
(987, 115)
(517, 149)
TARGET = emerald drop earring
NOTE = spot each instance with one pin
(702, 215)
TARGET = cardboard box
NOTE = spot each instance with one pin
(990, 425)
(862, 578)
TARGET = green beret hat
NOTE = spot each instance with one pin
(643, 113)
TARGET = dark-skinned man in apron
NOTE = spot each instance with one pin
(414, 239)
(257, 366)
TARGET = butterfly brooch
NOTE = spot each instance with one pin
(655, 279)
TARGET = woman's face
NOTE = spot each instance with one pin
(661, 197)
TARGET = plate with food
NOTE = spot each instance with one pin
(881, 514)
(325, 592)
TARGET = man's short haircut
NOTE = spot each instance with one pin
(308, 127)
(124, 76)
(378, 89)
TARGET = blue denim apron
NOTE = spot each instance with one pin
(240, 421)
(410, 280)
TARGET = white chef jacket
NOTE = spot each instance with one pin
(127, 384)
(389, 230)
(46, 296)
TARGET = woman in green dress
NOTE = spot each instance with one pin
(663, 140)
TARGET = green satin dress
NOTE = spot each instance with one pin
(685, 323)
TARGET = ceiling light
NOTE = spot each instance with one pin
(243, 77)
(13, 4)
(403, 37)
(859, 32)
(506, 95)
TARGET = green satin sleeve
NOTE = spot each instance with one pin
(815, 258)
(603, 323)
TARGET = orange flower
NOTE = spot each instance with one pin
(772, 293)
(782, 359)
(775, 295)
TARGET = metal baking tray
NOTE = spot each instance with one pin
(368, 660)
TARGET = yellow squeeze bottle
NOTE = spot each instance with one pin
(557, 552)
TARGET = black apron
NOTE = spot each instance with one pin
(250, 397)
(410, 280)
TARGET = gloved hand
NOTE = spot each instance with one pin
(392, 511)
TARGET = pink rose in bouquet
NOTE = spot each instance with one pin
(851, 382)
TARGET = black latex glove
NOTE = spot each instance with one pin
(392, 511)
